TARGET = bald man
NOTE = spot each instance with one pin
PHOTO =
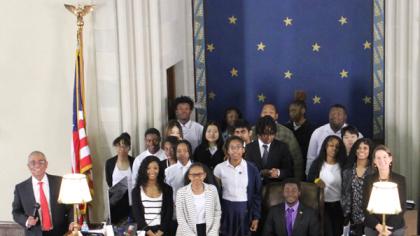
(52, 218)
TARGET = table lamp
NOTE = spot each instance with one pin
(74, 190)
(384, 200)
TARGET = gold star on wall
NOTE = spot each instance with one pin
(210, 47)
(316, 99)
(288, 74)
(232, 20)
(343, 20)
(367, 100)
(316, 47)
(212, 95)
(261, 46)
(261, 97)
(287, 21)
(367, 45)
(234, 72)
(344, 74)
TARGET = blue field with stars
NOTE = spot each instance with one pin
(263, 51)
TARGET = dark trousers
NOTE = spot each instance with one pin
(201, 229)
(334, 219)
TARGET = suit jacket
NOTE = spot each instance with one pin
(23, 206)
(186, 214)
(278, 157)
(165, 214)
(306, 222)
(396, 221)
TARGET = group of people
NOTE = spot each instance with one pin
(208, 180)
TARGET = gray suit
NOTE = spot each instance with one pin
(23, 207)
(306, 222)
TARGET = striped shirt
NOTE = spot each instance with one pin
(152, 208)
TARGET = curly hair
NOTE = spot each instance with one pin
(353, 152)
(183, 99)
(143, 178)
(339, 155)
(266, 123)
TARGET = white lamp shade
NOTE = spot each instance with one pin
(74, 189)
(384, 199)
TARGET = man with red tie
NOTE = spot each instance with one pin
(35, 205)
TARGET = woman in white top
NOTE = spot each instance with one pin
(152, 199)
(116, 169)
(326, 172)
(197, 205)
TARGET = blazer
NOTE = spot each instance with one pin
(396, 221)
(347, 190)
(306, 222)
(203, 155)
(186, 214)
(253, 192)
(278, 157)
(165, 214)
(23, 206)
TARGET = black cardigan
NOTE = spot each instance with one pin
(203, 155)
(121, 210)
(165, 214)
(396, 221)
(110, 166)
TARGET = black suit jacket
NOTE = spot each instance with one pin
(203, 155)
(278, 157)
(395, 221)
(306, 222)
(23, 206)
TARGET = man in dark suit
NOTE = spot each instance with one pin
(41, 188)
(291, 218)
(271, 156)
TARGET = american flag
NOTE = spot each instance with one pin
(81, 157)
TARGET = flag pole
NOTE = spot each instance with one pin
(79, 101)
(80, 11)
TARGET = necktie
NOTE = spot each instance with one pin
(45, 211)
(289, 221)
(265, 155)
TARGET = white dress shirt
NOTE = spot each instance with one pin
(46, 188)
(137, 162)
(260, 143)
(331, 176)
(192, 132)
(174, 176)
(317, 138)
(234, 180)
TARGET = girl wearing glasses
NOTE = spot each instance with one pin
(197, 205)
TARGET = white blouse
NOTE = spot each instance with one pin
(200, 207)
(118, 175)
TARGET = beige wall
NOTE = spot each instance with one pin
(37, 43)
(36, 64)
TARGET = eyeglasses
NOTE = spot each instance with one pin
(235, 147)
(40, 162)
(194, 175)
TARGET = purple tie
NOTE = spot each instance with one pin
(289, 221)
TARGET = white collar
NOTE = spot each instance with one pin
(186, 125)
